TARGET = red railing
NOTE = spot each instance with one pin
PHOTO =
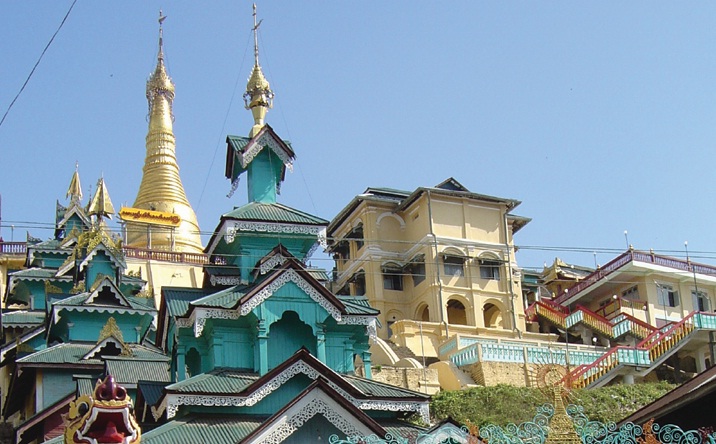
(558, 314)
(13, 247)
(167, 256)
(656, 344)
(630, 256)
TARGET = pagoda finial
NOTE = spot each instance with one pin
(160, 85)
(258, 96)
(101, 205)
(161, 188)
(74, 191)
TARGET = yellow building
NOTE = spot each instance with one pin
(435, 261)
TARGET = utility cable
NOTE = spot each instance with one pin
(22, 88)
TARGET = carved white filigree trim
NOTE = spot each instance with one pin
(277, 259)
(262, 142)
(233, 227)
(173, 401)
(225, 280)
(202, 314)
(290, 275)
(314, 407)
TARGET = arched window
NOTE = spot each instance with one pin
(492, 316)
(424, 313)
(456, 312)
(193, 363)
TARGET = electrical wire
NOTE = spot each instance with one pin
(22, 88)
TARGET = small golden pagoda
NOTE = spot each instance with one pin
(161, 193)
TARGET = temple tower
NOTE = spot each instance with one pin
(161, 189)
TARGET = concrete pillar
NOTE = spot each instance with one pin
(629, 379)
(365, 356)
(321, 343)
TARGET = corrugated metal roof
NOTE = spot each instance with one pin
(381, 390)
(225, 298)
(222, 270)
(216, 381)
(203, 429)
(178, 298)
(15, 318)
(357, 305)
(151, 391)
(318, 274)
(34, 273)
(85, 385)
(72, 353)
(273, 212)
(129, 371)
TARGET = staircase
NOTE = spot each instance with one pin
(613, 329)
(651, 352)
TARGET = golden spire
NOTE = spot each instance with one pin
(74, 192)
(161, 188)
(258, 96)
(101, 205)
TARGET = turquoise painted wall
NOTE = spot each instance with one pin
(264, 172)
(100, 264)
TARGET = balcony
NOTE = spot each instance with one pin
(13, 248)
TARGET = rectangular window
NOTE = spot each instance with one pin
(632, 293)
(392, 280)
(417, 271)
(453, 266)
(701, 300)
(668, 297)
(490, 270)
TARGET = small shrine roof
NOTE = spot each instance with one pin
(177, 299)
(377, 389)
(203, 428)
(130, 371)
(226, 298)
(273, 212)
(151, 390)
(217, 381)
(358, 305)
(72, 353)
(22, 318)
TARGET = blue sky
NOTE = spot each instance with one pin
(598, 116)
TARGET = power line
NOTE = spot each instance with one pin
(22, 88)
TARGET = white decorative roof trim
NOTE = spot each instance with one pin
(290, 275)
(200, 316)
(277, 259)
(172, 401)
(262, 142)
(56, 310)
(315, 406)
(225, 280)
(233, 227)
(368, 321)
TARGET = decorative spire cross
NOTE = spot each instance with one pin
(162, 17)
(258, 96)
(256, 37)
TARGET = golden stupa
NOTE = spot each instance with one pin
(161, 188)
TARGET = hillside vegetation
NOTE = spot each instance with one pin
(504, 404)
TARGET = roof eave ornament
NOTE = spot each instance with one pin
(258, 96)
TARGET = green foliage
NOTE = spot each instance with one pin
(504, 404)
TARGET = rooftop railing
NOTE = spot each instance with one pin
(13, 247)
(635, 256)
